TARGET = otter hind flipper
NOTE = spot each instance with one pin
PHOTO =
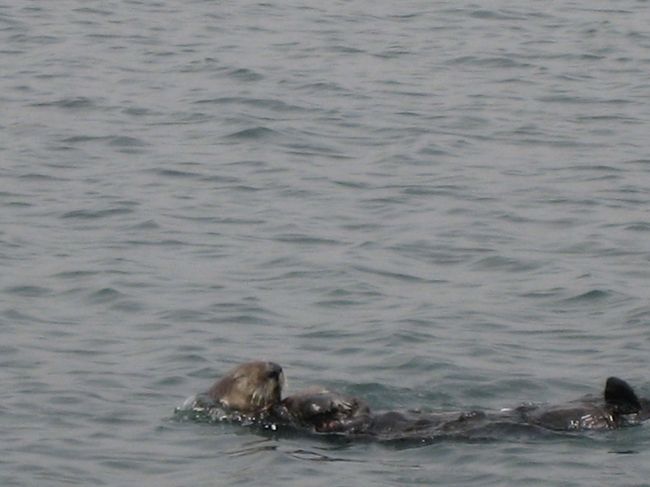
(620, 395)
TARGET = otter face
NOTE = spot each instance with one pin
(251, 387)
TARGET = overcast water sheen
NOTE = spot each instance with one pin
(429, 204)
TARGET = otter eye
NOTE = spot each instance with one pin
(274, 371)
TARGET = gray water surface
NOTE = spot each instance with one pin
(430, 204)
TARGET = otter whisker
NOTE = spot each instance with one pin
(255, 397)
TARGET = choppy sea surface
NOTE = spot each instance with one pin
(429, 204)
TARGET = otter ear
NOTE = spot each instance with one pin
(620, 395)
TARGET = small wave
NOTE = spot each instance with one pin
(497, 14)
(105, 295)
(175, 173)
(137, 111)
(146, 225)
(253, 133)
(638, 227)
(506, 263)
(28, 291)
(337, 303)
(78, 139)
(593, 295)
(274, 105)
(549, 293)
(311, 456)
(112, 140)
(396, 275)
(39, 177)
(323, 87)
(243, 74)
(492, 62)
(305, 239)
(95, 214)
(75, 274)
(71, 103)
(126, 141)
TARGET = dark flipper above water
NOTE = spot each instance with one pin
(620, 396)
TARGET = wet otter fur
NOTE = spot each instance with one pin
(250, 387)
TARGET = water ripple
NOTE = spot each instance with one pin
(253, 133)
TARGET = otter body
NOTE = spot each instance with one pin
(335, 413)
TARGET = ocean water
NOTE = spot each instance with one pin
(429, 204)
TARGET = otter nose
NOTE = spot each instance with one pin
(274, 370)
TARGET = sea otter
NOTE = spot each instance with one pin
(251, 393)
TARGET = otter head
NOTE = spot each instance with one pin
(251, 387)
